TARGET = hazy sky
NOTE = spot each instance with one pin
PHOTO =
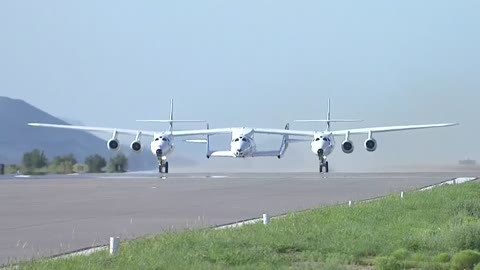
(255, 63)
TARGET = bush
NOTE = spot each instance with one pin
(400, 254)
(466, 237)
(95, 163)
(387, 263)
(80, 168)
(443, 258)
(13, 169)
(466, 259)
(477, 267)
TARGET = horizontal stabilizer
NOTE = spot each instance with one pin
(172, 121)
(196, 141)
(222, 154)
(331, 121)
(298, 140)
(274, 153)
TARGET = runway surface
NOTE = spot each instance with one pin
(48, 215)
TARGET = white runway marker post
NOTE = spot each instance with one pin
(114, 245)
(266, 219)
(401, 194)
(350, 203)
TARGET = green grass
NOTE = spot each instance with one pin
(425, 230)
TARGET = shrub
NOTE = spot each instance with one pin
(465, 259)
(400, 254)
(387, 263)
(443, 258)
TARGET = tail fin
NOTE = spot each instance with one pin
(328, 115)
(170, 120)
(329, 120)
(171, 115)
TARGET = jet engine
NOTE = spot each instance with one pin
(113, 144)
(136, 146)
(371, 144)
(347, 146)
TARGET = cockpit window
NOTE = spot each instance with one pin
(236, 140)
(317, 139)
(325, 139)
(244, 139)
(157, 139)
(163, 139)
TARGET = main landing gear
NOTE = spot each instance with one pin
(162, 162)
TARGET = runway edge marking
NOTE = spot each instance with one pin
(90, 250)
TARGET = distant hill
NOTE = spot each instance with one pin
(16, 138)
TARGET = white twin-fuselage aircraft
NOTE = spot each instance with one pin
(243, 142)
(323, 142)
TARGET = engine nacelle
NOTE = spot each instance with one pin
(371, 144)
(136, 146)
(347, 147)
(113, 144)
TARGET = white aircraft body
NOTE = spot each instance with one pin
(162, 144)
(242, 144)
(323, 142)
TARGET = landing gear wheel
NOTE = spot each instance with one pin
(324, 165)
(163, 167)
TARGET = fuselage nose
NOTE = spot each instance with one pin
(160, 147)
(239, 148)
(320, 147)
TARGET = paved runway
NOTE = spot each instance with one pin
(47, 215)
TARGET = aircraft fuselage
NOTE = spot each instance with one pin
(243, 142)
(322, 144)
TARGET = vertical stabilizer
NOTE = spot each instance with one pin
(328, 115)
(171, 115)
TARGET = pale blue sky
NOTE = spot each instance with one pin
(257, 63)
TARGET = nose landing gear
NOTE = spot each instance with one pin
(162, 162)
(163, 166)
(322, 160)
(323, 163)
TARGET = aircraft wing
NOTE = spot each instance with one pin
(212, 131)
(388, 129)
(134, 132)
(351, 131)
(96, 129)
(284, 132)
